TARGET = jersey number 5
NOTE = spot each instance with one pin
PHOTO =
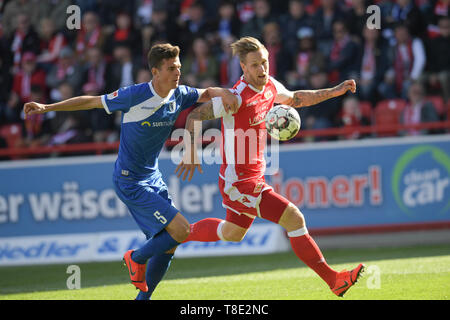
(160, 218)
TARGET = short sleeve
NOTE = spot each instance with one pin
(282, 93)
(218, 107)
(190, 97)
(119, 100)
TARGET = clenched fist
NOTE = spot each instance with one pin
(346, 85)
(34, 108)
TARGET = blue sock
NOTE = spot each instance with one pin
(157, 245)
(156, 269)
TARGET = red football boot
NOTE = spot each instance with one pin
(137, 271)
(346, 279)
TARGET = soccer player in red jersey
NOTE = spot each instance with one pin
(245, 193)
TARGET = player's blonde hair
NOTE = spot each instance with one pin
(245, 45)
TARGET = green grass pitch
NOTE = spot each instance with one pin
(421, 272)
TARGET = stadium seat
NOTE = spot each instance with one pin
(388, 112)
(366, 109)
(438, 104)
(11, 133)
(448, 110)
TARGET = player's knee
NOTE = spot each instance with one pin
(185, 230)
(179, 228)
(233, 235)
(292, 218)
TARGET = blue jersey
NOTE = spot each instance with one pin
(147, 121)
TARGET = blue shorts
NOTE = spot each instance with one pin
(150, 205)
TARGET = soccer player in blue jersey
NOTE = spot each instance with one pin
(149, 111)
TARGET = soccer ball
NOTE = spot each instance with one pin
(282, 122)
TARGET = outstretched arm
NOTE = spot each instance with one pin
(230, 102)
(305, 98)
(191, 134)
(72, 104)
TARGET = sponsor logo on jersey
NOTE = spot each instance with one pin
(268, 95)
(258, 119)
(252, 103)
(172, 106)
(258, 187)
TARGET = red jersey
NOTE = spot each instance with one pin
(244, 133)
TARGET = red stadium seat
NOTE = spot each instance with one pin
(366, 109)
(388, 112)
(448, 110)
(438, 104)
(11, 133)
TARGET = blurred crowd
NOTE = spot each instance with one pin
(313, 44)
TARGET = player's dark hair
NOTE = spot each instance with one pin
(160, 52)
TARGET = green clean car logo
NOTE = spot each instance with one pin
(419, 187)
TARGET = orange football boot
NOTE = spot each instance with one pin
(137, 271)
(345, 279)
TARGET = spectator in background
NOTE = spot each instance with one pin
(102, 127)
(352, 117)
(27, 76)
(5, 83)
(69, 127)
(357, 17)
(229, 65)
(418, 110)
(95, 69)
(65, 70)
(124, 32)
(406, 12)
(307, 57)
(13, 9)
(408, 64)
(437, 75)
(440, 10)
(296, 19)
(200, 66)
(123, 70)
(433, 12)
(143, 12)
(54, 10)
(279, 59)
(373, 62)
(254, 26)
(160, 29)
(325, 114)
(323, 21)
(90, 34)
(197, 25)
(36, 128)
(343, 59)
(107, 11)
(245, 10)
(23, 39)
(227, 23)
(143, 75)
(52, 42)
